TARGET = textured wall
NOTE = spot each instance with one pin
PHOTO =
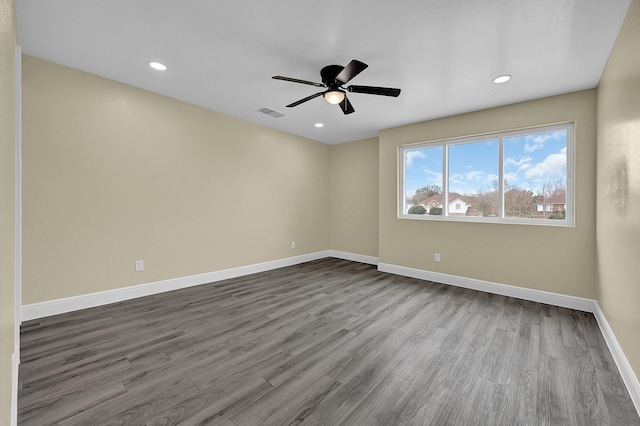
(618, 226)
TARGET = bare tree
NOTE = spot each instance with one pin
(518, 202)
(426, 192)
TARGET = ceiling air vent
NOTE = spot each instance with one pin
(270, 112)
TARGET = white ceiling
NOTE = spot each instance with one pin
(222, 54)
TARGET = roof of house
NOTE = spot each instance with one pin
(559, 198)
(438, 198)
(472, 211)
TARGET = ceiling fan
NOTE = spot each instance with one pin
(333, 78)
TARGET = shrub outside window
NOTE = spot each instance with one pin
(519, 176)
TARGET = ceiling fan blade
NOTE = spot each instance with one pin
(346, 106)
(352, 69)
(373, 90)
(297, 80)
(308, 98)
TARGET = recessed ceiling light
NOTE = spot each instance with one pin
(158, 66)
(319, 125)
(502, 79)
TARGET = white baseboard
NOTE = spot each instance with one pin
(15, 364)
(75, 303)
(372, 260)
(627, 373)
(571, 302)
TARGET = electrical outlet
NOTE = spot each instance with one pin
(139, 265)
(293, 244)
(436, 257)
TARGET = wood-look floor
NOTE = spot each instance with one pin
(322, 343)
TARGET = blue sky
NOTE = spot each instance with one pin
(530, 161)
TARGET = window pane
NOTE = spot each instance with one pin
(423, 181)
(473, 179)
(530, 183)
(535, 175)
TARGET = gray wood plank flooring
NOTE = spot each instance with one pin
(326, 342)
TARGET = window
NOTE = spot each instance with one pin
(522, 176)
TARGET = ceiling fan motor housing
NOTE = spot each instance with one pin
(329, 74)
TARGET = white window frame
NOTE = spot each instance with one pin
(500, 136)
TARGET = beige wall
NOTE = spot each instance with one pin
(618, 190)
(114, 174)
(353, 211)
(556, 259)
(7, 201)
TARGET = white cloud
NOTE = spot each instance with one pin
(471, 182)
(457, 189)
(457, 179)
(433, 178)
(511, 177)
(531, 147)
(554, 166)
(410, 155)
(536, 142)
(513, 162)
(475, 175)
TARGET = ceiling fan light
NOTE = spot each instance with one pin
(334, 97)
